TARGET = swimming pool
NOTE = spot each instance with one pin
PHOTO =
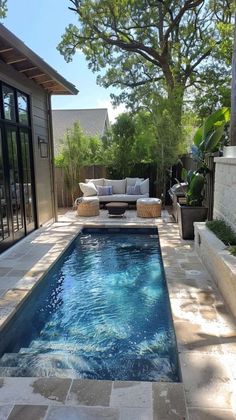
(101, 312)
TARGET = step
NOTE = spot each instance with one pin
(127, 368)
(37, 372)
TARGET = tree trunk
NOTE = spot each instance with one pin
(233, 95)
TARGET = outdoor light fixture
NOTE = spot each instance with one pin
(43, 147)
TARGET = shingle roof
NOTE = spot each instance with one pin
(92, 121)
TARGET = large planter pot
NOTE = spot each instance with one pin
(187, 215)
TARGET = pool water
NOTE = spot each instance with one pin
(104, 312)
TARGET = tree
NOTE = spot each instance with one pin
(74, 154)
(3, 8)
(165, 44)
(119, 151)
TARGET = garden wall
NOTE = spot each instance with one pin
(225, 190)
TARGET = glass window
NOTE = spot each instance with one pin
(22, 103)
(8, 103)
(23, 116)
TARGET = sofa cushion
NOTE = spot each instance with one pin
(135, 190)
(130, 182)
(144, 186)
(120, 197)
(88, 189)
(104, 190)
(98, 181)
(118, 185)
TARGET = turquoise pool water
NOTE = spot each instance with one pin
(103, 312)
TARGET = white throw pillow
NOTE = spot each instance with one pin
(144, 186)
(98, 181)
(88, 189)
(130, 182)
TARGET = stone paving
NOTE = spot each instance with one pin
(205, 332)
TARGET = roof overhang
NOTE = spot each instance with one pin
(16, 54)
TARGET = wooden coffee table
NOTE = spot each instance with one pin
(117, 208)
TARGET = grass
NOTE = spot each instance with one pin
(224, 232)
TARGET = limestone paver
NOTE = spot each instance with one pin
(42, 391)
(202, 414)
(28, 412)
(91, 393)
(131, 394)
(168, 401)
(55, 389)
(5, 411)
(127, 413)
(82, 413)
(207, 381)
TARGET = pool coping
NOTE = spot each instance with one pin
(36, 273)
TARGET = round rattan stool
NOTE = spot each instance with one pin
(148, 207)
(87, 208)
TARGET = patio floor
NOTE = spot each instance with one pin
(205, 331)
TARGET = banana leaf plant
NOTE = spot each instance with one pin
(208, 137)
(195, 187)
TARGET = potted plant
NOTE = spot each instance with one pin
(207, 140)
(193, 210)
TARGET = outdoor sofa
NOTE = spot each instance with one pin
(127, 190)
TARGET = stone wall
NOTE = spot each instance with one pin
(225, 190)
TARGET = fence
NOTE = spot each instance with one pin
(63, 196)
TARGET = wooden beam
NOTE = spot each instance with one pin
(5, 50)
(37, 75)
(47, 81)
(28, 69)
(16, 60)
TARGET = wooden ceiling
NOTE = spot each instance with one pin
(15, 53)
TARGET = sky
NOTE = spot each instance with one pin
(40, 25)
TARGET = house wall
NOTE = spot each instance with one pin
(225, 190)
(40, 127)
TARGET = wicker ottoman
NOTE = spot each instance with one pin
(148, 207)
(88, 207)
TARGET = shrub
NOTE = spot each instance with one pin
(223, 231)
(232, 250)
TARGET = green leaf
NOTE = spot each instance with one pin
(222, 114)
(184, 174)
(214, 139)
(198, 136)
(194, 194)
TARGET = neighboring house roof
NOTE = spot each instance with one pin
(94, 122)
(16, 54)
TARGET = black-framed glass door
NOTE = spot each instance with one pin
(17, 198)
(5, 231)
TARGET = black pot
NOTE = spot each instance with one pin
(187, 215)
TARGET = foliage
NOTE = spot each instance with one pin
(166, 45)
(214, 91)
(76, 151)
(119, 151)
(208, 137)
(232, 250)
(3, 9)
(195, 184)
(144, 137)
(223, 231)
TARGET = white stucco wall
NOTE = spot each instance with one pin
(225, 190)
